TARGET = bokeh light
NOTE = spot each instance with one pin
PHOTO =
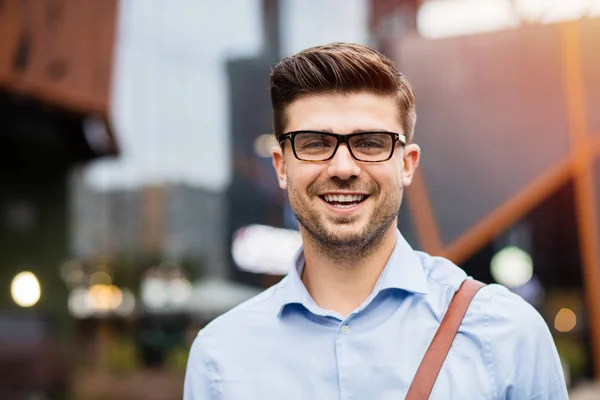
(512, 267)
(100, 278)
(263, 145)
(25, 289)
(565, 320)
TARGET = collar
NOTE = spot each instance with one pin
(403, 271)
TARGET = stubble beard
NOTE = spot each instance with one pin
(337, 238)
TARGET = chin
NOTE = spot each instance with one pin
(349, 234)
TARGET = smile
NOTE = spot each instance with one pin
(344, 201)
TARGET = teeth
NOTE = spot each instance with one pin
(344, 198)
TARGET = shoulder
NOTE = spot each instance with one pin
(520, 351)
(443, 280)
(260, 310)
(492, 305)
(238, 331)
(500, 308)
(441, 271)
(518, 348)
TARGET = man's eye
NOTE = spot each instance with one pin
(315, 144)
(370, 144)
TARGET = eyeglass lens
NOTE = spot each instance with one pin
(371, 146)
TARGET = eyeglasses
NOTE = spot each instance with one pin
(316, 146)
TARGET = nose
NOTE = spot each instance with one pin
(343, 165)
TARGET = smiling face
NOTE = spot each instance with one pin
(343, 203)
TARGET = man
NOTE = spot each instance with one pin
(359, 307)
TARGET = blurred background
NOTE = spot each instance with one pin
(139, 202)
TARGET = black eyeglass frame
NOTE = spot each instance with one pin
(396, 137)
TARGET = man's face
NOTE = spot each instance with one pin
(313, 186)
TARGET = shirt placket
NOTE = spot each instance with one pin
(344, 357)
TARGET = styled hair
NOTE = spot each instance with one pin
(339, 68)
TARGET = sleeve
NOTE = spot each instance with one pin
(522, 357)
(198, 385)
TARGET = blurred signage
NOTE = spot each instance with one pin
(265, 249)
(59, 51)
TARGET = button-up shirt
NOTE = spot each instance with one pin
(282, 345)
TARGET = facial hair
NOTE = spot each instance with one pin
(337, 238)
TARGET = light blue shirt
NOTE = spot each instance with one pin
(281, 345)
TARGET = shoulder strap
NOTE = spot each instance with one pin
(433, 360)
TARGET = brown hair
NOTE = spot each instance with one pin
(342, 68)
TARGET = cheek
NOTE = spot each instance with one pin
(302, 176)
(388, 178)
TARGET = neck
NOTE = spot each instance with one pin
(342, 284)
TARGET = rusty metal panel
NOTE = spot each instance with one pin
(491, 118)
(9, 34)
(590, 54)
(595, 171)
(59, 51)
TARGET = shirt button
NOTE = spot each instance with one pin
(345, 329)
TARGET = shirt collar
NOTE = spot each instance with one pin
(403, 271)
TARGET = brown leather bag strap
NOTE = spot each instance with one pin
(432, 362)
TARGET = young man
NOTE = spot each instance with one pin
(359, 307)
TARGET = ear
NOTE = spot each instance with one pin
(412, 155)
(279, 165)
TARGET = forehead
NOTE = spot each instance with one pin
(344, 113)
